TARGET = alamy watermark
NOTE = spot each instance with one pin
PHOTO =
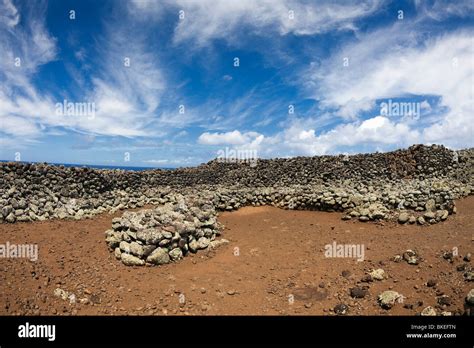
(68, 108)
(25, 251)
(229, 155)
(355, 251)
(400, 109)
(28, 330)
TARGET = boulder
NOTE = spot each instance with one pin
(159, 257)
(130, 260)
(176, 254)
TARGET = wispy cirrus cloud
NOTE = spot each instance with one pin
(25, 47)
(442, 9)
(202, 21)
(125, 96)
(128, 85)
(9, 15)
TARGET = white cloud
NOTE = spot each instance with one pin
(210, 19)
(128, 89)
(156, 161)
(125, 98)
(8, 13)
(296, 139)
(24, 49)
(229, 138)
(392, 63)
(144, 9)
(442, 9)
(18, 126)
(206, 20)
(173, 162)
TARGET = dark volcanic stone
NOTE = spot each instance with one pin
(444, 300)
(359, 292)
(341, 309)
(346, 274)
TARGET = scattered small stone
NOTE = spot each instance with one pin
(358, 292)
(444, 300)
(470, 297)
(387, 299)
(428, 311)
(469, 276)
(397, 258)
(341, 309)
(411, 257)
(62, 294)
(448, 255)
(72, 298)
(378, 274)
(346, 273)
(95, 299)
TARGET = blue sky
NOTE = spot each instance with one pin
(162, 89)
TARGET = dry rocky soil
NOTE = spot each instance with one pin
(275, 264)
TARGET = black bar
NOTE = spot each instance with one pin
(239, 330)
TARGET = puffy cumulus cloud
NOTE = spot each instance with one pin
(228, 138)
(296, 139)
(378, 131)
(206, 20)
(394, 62)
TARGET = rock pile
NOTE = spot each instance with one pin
(166, 233)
